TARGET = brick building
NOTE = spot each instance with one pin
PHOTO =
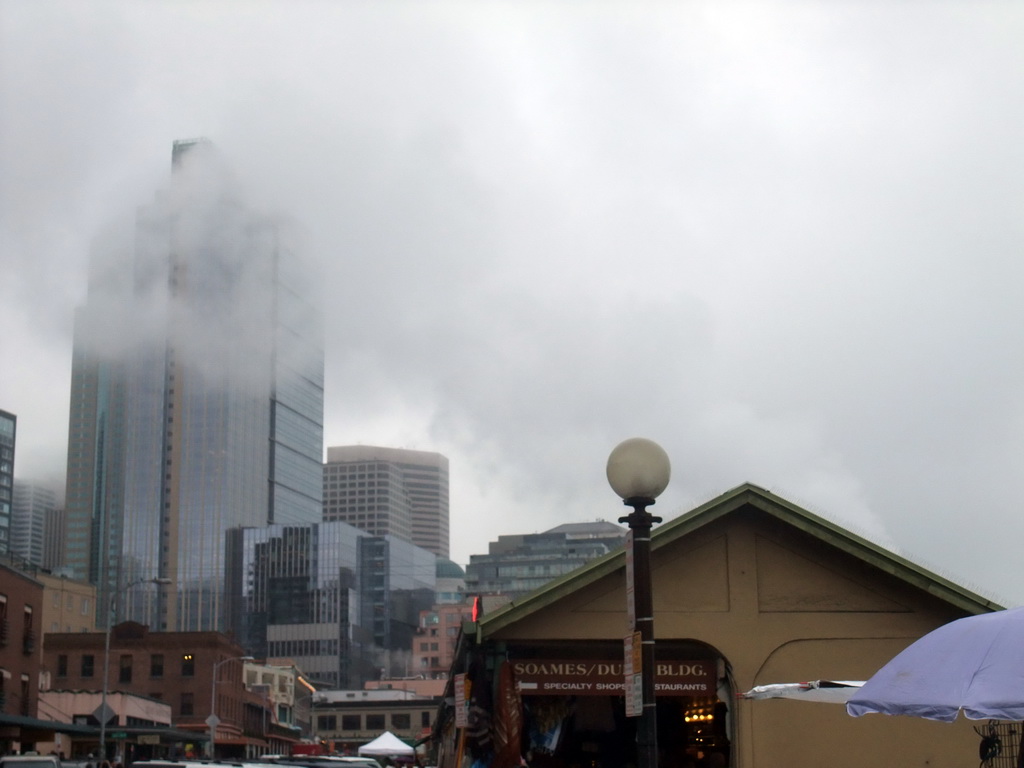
(175, 667)
(21, 601)
(433, 646)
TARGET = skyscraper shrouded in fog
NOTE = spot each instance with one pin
(196, 398)
(34, 516)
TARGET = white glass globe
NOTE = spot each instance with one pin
(638, 468)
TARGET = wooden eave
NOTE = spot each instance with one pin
(746, 495)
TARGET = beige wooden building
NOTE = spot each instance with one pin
(748, 589)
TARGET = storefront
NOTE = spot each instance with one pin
(748, 589)
(574, 712)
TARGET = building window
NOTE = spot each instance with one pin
(424, 719)
(85, 606)
(26, 705)
(326, 723)
(125, 669)
(401, 721)
(188, 665)
(88, 662)
(156, 665)
(351, 723)
(375, 722)
(62, 665)
(187, 705)
(28, 636)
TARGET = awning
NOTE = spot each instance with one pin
(828, 691)
(167, 734)
(34, 729)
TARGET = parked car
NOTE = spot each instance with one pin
(29, 761)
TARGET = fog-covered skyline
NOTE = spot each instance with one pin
(781, 239)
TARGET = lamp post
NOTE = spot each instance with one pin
(310, 699)
(638, 471)
(103, 713)
(213, 721)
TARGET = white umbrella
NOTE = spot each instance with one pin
(828, 691)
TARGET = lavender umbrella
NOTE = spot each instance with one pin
(974, 665)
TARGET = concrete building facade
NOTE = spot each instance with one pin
(350, 718)
(389, 491)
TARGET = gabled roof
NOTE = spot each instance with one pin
(746, 495)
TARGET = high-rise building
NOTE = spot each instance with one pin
(33, 509)
(389, 491)
(196, 398)
(520, 563)
(54, 534)
(341, 603)
(8, 432)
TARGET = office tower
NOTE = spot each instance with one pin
(33, 508)
(8, 430)
(520, 563)
(389, 491)
(54, 534)
(196, 398)
(341, 603)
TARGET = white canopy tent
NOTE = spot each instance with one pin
(387, 745)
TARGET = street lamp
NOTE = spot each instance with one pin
(213, 721)
(104, 712)
(638, 471)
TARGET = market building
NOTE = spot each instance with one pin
(348, 720)
(748, 589)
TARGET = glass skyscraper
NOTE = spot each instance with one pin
(343, 604)
(197, 398)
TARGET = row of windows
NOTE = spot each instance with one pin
(400, 721)
(71, 602)
(87, 667)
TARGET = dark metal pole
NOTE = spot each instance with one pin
(640, 522)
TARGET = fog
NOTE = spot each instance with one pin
(781, 239)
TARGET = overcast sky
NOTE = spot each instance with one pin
(782, 240)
